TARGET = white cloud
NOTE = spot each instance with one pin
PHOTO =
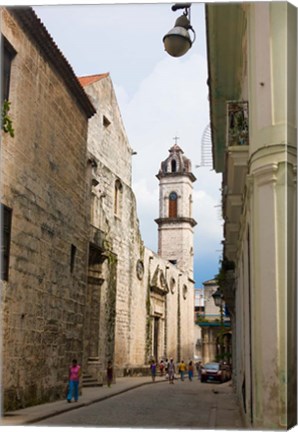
(171, 101)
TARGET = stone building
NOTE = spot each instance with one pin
(77, 280)
(253, 106)
(45, 213)
(150, 311)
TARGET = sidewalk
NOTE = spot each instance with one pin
(89, 396)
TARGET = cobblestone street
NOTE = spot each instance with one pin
(160, 405)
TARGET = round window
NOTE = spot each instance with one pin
(172, 285)
(140, 269)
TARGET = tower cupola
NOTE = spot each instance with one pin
(176, 164)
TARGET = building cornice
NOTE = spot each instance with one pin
(190, 175)
(176, 220)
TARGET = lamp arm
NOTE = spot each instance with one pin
(194, 34)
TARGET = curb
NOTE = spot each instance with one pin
(84, 404)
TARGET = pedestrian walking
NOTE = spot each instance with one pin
(153, 370)
(74, 380)
(190, 371)
(109, 373)
(171, 371)
(198, 367)
(167, 368)
(182, 369)
(161, 367)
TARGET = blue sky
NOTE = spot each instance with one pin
(159, 97)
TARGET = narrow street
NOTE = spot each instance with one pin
(160, 405)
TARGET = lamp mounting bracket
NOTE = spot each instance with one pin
(177, 6)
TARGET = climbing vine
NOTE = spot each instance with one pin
(6, 121)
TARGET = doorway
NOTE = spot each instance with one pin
(156, 324)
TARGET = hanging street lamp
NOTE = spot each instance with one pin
(178, 41)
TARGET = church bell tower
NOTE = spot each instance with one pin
(175, 222)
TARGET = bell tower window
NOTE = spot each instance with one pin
(173, 166)
(173, 204)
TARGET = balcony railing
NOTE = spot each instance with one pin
(237, 123)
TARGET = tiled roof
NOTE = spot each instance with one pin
(36, 30)
(90, 79)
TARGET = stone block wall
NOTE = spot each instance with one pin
(44, 183)
(107, 137)
(108, 145)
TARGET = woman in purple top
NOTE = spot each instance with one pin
(74, 379)
(153, 370)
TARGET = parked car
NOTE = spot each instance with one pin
(215, 372)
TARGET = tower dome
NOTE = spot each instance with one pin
(176, 164)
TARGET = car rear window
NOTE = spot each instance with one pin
(212, 366)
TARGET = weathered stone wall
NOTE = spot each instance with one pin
(109, 147)
(176, 243)
(44, 183)
(171, 300)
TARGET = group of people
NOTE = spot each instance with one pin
(168, 369)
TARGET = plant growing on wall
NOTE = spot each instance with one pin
(6, 121)
(221, 277)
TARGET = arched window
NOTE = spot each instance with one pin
(173, 204)
(117, 197)
(173, 166)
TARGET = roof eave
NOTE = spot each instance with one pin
(225, 29)
(36, 30)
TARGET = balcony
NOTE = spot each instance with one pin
(234, 178)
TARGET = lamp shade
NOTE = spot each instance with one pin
(217, 297)
(177, 41)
